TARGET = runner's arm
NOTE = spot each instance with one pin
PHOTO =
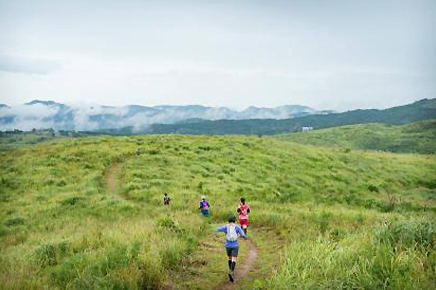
(241, 232)
(222, 229)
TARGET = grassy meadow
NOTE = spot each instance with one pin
(410, 138)
(88, 213)
(10, 141)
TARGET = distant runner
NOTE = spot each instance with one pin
(232, 248)
(243, 210)
(167, 199)
(204, 206)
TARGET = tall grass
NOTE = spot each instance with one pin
(60, 227)
(399, 255)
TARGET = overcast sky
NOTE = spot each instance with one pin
(236, 53)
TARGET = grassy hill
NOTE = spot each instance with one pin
(413, 138)
(12, 140)
(421, 110)
(88, 213)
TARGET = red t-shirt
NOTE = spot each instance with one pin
(243, 211)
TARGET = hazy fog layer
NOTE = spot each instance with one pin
(40, 115)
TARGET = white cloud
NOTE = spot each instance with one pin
(27, 65)
(29, 117)
(336, 55)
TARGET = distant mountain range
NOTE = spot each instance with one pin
(196, 119)
(48, 114)
(421, 110)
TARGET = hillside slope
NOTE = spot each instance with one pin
(417, 137)
(359, 218)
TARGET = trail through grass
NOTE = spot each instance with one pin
(321, 218)
(245, 266)
(209, 244)
(111, 177)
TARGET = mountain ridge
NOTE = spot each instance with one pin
(420, 110)
(49, 114)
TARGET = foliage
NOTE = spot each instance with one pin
(88, 213)
(413, 138)
(422, 110)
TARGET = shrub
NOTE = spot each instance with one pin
(408, 234)
(15, 221)
(150, 275)
(61, 183)
(337, 234)
(323, 221)
(373, 188)
(41, 198)
(169, 224)
(51, 253)
(71, 201)
(170, 254)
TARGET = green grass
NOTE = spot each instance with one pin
(321, 218)
(11, 141)
(411, 138)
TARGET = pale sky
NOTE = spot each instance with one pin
(328, 54)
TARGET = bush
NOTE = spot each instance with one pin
(50, 254)
(408, 234)
(373, 188)
(323, 222)
(170, 254)
(71, 201)
(15, 221)
(169, 224)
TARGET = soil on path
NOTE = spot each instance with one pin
(243, 268)
(112, 174)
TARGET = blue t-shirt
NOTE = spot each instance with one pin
(231, 244)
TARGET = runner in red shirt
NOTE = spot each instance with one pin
(243, 210)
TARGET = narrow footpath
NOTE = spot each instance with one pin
(245, 268)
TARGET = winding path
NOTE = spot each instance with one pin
(243, 269)
(111, 177)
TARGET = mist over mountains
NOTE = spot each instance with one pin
(48, 114)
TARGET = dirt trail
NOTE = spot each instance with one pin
(243, 268)
(112, 177)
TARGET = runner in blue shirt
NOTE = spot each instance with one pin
(232, 248)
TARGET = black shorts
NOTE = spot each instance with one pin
(232, 251)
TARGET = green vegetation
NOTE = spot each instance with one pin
(418, 111)
(14, 139)
(412, 138)
(88, 213)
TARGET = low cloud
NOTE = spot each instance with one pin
(93, 118)
(28, 117)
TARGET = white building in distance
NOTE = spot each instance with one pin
(306, 129)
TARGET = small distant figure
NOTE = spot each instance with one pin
(167, 199)
(243, 210)
(138, 151)
(232, 248)
(204, 206)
